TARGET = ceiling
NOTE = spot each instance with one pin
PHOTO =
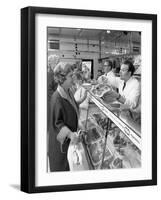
(96, 34)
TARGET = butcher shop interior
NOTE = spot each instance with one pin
(93, 99)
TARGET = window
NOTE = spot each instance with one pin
(54, 44)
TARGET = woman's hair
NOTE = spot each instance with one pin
(60, 72)
(109, 63)
(53, 60)
(78, 75)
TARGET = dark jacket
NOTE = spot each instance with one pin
(62, 114)
(51, 88)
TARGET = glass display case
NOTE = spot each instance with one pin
(111, 140)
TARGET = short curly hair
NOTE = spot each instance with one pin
(108, 63)
(60, 72)
(53, 60)
(78, 75)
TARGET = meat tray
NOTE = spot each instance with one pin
(95, 153)
(92, 135)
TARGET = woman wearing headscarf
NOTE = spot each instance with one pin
(64, 119)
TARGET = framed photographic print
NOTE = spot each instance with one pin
(88, 99)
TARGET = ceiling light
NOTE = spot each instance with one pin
(108, 31)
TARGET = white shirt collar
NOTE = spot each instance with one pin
(130, 79)
(109, 73)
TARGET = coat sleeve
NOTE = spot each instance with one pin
(58, 121)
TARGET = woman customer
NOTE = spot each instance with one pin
(64, 119)
(80, 94)
(53, 60)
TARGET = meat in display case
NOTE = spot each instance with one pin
(107, 143)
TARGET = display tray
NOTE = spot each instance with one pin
(99, 120)
(119, 152)
(95, 152)
(112, 158)
(100, 90)
(130, 157)
(117, 163)
(108, 152)
(87, 124)
(93, 132)
(92, 135)
(107, 163)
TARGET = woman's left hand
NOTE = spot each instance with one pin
(75, 139)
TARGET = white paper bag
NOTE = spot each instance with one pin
(76, 158)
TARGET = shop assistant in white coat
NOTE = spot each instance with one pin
(108, 75)
(128, 87)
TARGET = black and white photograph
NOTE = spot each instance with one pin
(89, 91)
(93, 99)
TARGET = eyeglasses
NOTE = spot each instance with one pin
(123, 70)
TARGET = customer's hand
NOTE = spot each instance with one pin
(74, 137)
